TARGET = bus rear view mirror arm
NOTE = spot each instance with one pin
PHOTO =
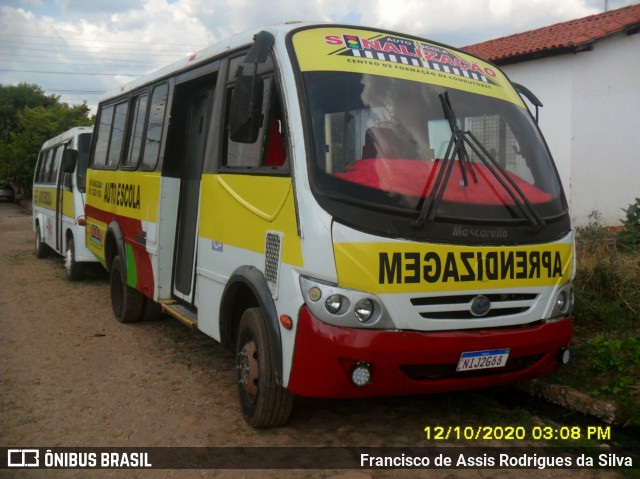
(528, 94)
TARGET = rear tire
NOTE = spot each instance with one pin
(264, 403)
(42, 248)
(127, 303)
(74, 269)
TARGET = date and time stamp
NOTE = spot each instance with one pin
(517, 433)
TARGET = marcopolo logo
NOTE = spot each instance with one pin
(482, 233)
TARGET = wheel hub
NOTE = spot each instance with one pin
(248, 368)
(67, 260)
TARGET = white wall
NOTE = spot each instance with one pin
(606, 123)
(591, 120)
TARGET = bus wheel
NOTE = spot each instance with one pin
(126, 302)
(74, 269)
(263, 402)
(42, 248)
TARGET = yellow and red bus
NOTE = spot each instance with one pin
(355, 212)
(59, 197)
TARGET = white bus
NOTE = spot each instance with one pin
(58, 199)
(355, 212)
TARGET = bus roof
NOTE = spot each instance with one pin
(66, 136)
(238, 41)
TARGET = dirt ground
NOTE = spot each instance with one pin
(72, 376)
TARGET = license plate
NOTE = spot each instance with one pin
(494, 358)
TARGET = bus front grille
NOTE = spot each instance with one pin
(460, 306)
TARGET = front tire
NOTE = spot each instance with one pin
(42, 248)
(127, 303)
(73, 268)
(264, 403)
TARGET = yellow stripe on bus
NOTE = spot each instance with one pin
(417, 267)
(47, 198)
(133, 194)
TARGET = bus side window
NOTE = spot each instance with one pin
(37, 177)
(275, 153)
(46, 166)
(103, 132)
(117, 134)
(246, 155)
(136, 130)
(66, 177)
(155, 126)
(55, 166)
(269, 150)
(84, 147)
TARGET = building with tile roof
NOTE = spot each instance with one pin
(586, 72)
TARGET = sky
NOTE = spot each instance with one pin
(79, 49)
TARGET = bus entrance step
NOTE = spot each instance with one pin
(181, 313)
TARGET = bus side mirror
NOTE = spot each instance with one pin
(246, 109)
(246, 100)
(528, 94)
(69, 158)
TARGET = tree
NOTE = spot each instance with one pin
(27, 126)
(14, 98)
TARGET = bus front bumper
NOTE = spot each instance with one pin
(411, 362)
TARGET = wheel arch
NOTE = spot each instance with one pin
(247, 288)
(38, 222)
(114, 245)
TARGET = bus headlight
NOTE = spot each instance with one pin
(562, 303)
(364, 310)
(347, 308)
(562, 300)
(335, 303)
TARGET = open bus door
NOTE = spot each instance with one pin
(191, 172)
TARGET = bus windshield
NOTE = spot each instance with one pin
(381, 142)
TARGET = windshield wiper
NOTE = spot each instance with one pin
(457, 148)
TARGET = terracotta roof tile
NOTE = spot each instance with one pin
(574, 35)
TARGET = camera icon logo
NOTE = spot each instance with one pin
(23, 458)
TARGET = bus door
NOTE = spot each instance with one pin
(199, 113)
(59, 206)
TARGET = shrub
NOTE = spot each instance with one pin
(607, 314)
(630, 236)
(607, 279)
(617, 361)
